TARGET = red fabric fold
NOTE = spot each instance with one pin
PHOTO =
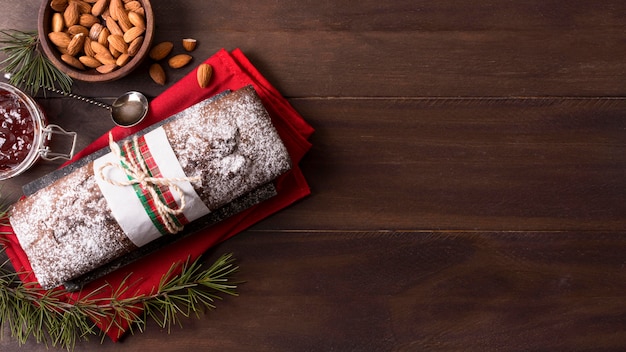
(230, 71)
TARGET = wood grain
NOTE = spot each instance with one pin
(467, 173)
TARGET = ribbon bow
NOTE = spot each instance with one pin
(138, 174)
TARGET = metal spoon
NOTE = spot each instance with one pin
(126, 111)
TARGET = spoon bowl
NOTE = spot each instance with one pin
(129, 109)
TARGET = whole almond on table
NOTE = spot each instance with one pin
(161, 50)
(204, 73)
(189, 44)
(179, 60)
(157, 73)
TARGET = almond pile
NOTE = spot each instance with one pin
(100, 34)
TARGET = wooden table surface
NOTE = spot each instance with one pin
(468, 175)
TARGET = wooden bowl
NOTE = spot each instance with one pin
(89, 74)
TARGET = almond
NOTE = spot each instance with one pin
(72, 61)
(77, 28)
(133, 33)
(132, 5)
(60, 39)
(134, 46)
(76, 44)
(107, 68)
(99, 48)
(124, 22)
(58, 23)
(89, 61)
(87, 20)
(71, 15)
(103, 37)
(113, 27)
(204, 73)
(87, 48)
(189, 44)
(137, 20)
(83, 7)
(179, 60)
(94, 31)
(59, 5)
(98, 8)
(123, 60)
(157, 74)
(117, 42)
(105, 58)
(161, 50)
(115, 8)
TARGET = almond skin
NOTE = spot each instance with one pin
(60, 39)
(179, 60)
(189, 44)
(76, 44)
(89, 61)
(133, 33)
(59, 5)
(98, 8)
(72, 61)
(205, 71)
(58, 23)
(117, 42)
(71, 15)
(161, 50)
(108, 68)
(134, 46)
(157, 74)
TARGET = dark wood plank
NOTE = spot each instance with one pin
(383, 291)
(488, 164)
(404, 48)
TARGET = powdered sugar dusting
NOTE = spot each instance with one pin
(67, 228)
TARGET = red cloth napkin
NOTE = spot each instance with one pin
(230, 71)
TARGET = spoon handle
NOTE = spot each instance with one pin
(79, 97)
(8, 75)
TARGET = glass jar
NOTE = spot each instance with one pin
(25, 133)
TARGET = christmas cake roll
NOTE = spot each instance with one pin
(149, 186)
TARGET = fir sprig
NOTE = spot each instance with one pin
(28, 67)
(45, 316)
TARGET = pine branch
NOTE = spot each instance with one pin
(29, 68)
(44, 315)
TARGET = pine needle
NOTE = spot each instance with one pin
(28, 67)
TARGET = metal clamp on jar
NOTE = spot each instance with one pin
(24, 133)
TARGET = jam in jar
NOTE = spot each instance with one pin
(17, 130)
(24, 133)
